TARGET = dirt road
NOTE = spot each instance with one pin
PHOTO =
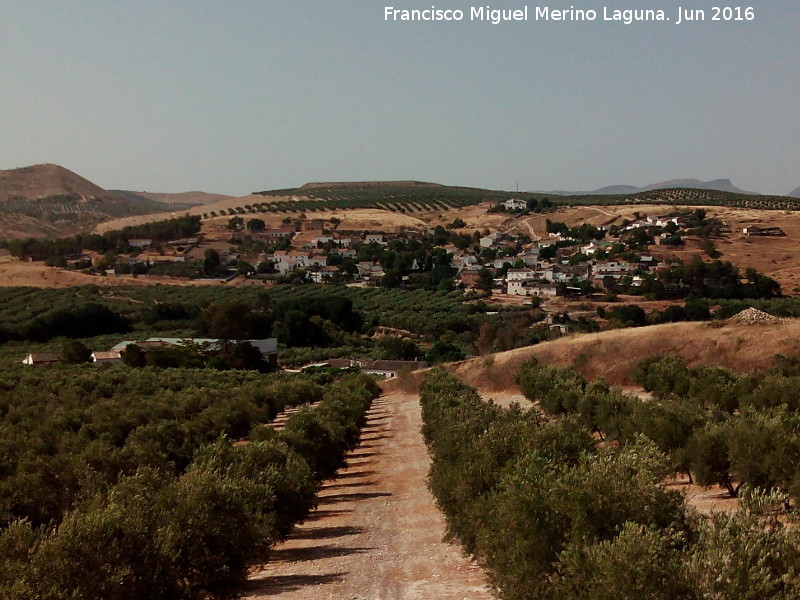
(377, 534)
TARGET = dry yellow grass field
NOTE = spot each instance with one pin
(357, 219)
(614, 354)
(14, 272)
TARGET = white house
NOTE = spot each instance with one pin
(517, 287)
(515, 204)
(611, 266)
(375, 238)
(323, 275)
(499, 263)
(465, 260)
(519, 274)
(593, 246)
(343, 252)
(663, 221)
(489, 240)
(531, 288)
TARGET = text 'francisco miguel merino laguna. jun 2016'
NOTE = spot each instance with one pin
(627, 16)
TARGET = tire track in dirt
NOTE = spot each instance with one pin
(377, 534)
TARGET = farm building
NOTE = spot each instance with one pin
(42, 358)
(106, 358)
(515, 204)
(755, 230)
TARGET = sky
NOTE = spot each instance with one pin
(246, 95)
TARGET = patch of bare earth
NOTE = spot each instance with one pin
(705, 500)
(377, 534)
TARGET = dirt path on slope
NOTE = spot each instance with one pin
(377, 534)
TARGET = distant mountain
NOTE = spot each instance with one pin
(186, 198)
(49, 200)
(724, 185)
(794, 193)
(617, 189)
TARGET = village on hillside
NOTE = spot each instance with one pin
(583, 260)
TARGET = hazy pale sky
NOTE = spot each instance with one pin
(246, 95)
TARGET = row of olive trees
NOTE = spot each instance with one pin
(716, 427)
(552, 514)
(68, 433)
(192, 536)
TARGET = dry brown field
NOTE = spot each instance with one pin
(613, 354)
(14, 272)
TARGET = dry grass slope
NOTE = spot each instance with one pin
(614, 354)
(41, 181)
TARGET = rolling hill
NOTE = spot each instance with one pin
(46, 181)
(414, 197)
(182, 199)
(401, 196)
(49, 200)
(722, 185)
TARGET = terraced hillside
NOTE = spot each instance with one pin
(687, 196)
(49, 200)
(400, 196)
(414, 196)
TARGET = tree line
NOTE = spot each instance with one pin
(160, 231)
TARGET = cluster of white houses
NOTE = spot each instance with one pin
(538, 277)
(548, 277)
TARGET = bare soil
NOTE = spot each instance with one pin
(377, 534)
(705, 500)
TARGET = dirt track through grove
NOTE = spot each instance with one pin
(377, 534)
